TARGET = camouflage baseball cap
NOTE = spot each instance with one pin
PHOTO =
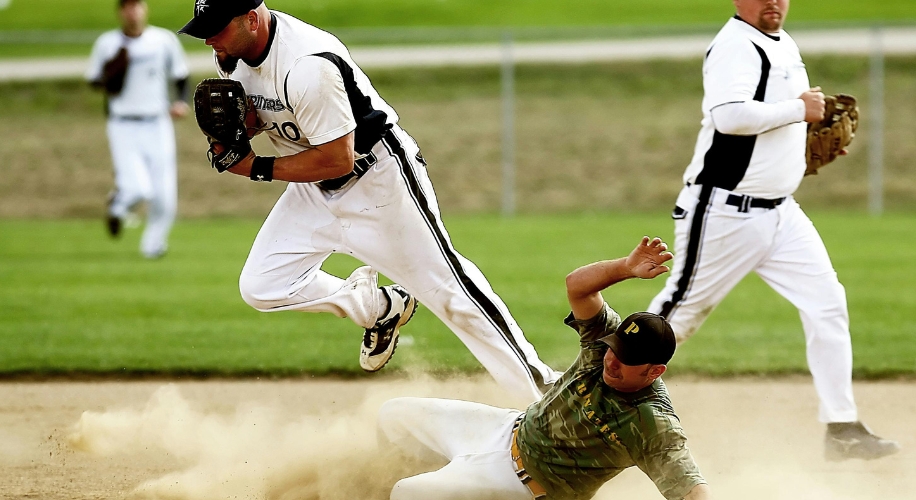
(212, 16)
(642, 338)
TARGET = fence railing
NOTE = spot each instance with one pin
(510, 47)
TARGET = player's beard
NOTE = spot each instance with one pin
(770, 25)
(227, 63)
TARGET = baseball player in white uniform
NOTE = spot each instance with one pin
(736, 213)
(357, 185)
(140, 132)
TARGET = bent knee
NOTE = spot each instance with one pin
(257, 291)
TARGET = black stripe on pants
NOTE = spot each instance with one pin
(487, 307)
(694, 241)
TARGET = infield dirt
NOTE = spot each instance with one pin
(315, 438)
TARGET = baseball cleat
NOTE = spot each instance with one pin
(855, 440)
(114, 225)
(380, 341)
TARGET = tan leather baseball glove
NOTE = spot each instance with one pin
(831, 136)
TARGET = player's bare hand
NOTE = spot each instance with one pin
(648, 258)
(814, 104)
(179, 109)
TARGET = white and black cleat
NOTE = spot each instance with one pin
(380, 341)
(855, 440)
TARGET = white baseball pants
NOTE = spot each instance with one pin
(716, 245)
(143, 153)
(474, 438)
(390, 220)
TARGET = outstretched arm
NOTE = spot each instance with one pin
(584, 285)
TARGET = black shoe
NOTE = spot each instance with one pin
(380, 341)
(114, 225)
(855, 440)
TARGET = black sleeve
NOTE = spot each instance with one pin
(181, 89)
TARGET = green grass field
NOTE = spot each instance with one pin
(67, 27)
(98, 14)
(73, 301)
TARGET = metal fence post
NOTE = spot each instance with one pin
(508, 121)
(876, 120)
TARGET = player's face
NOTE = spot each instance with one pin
(766, 15)
(627, 378)
(235, 41)
(133, 17)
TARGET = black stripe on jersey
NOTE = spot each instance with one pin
(270, 41)
(694, 240)
(728, 157)
(371, 124)
(483, 302)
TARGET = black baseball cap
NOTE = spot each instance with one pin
(642, 338)
(212, 16)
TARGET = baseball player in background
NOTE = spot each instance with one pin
(357, 185)
(134, 66)
(608, 412)
(736, 213)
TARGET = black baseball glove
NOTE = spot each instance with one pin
(220, 106)
(113, 72)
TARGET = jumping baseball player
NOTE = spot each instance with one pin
(608, 412)
(736, 213)
(134, 66)
(357, 185)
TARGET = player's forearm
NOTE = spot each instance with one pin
(754, 117)
(584, 285)
(326, 161)
(597, 276)
(307, 166)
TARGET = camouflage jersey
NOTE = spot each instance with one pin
(582, 432)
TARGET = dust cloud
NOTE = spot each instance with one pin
(754, 439)
(259, 450)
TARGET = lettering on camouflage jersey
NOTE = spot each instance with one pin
(591, 415)
(267, 104)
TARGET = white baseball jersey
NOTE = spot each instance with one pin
(745, 64)
(140, 132)
(155, 59)
(307, 89)
(736, 213)
(308, 92)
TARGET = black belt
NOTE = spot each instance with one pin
(745, 203)
(135, 118)
(360, 167)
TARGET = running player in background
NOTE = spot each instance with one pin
(134, 66)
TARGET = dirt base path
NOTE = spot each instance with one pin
(314, 438)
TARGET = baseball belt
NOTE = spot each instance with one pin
(362, 165)
(537, 491)
(744, 203)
